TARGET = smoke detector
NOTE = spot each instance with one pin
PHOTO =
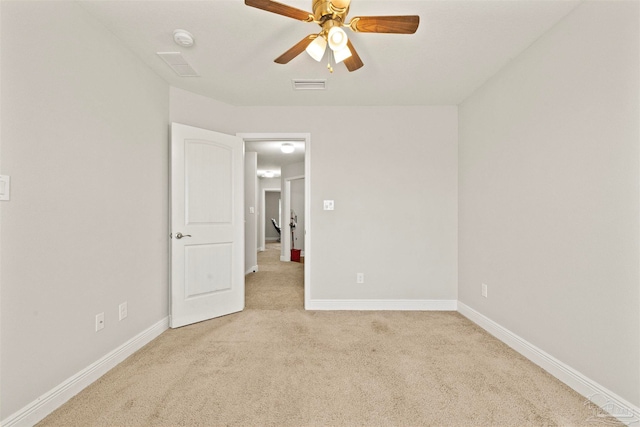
(183, 38)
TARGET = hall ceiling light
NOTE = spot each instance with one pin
(287, 148)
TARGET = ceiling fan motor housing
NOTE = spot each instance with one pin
(325, 10)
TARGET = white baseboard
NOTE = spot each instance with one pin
(374, 304)
(285, 258)
(253, 269)
(625, 411)
(53, 399)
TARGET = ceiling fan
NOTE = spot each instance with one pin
(331, 16)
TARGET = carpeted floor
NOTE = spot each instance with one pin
(275, 364)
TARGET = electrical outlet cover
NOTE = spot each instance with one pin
(122, 311)
(99, 321)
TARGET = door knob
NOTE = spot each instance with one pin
(180, 235)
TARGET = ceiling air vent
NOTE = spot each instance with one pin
(178, 64)
(309, 84)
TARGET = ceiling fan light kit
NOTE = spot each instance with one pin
(331, 16)
(341, 55)
(316, 48)
(337, 38)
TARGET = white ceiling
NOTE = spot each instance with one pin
(458, 46)
(271, 158)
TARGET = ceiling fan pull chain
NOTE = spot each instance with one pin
(329, 56)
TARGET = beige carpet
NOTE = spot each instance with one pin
(277, 365)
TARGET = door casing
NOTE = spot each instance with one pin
(308, 261)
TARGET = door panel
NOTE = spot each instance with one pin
(208, 171)
(200, 277)
(207, 196)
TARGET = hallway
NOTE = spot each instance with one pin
(276, 285)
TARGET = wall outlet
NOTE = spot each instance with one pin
(484, 290)
(360, 278)
(5, 187)
(328, 205)
(122, 311)
(99, 321)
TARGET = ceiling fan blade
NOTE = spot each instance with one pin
(280, 9)
(296, 50)
(353, 62)
(407, 24)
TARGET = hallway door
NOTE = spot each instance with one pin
(207, 223)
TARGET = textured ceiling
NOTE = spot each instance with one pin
(271, 158)
(458, 46)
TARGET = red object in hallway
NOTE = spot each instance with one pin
(295, 255)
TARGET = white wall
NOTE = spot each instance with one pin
(404, 242)
(250, 212)
(269, 183)
(292, 170)
(549, 196)
(85, 140)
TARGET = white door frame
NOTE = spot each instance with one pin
(307, 200)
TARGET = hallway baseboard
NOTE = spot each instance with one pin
(372, 304)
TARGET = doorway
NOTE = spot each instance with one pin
(271, 220)
(276, 172)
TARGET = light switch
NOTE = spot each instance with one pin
(5, 187)
(328, 205)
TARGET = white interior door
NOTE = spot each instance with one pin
(207, 224)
